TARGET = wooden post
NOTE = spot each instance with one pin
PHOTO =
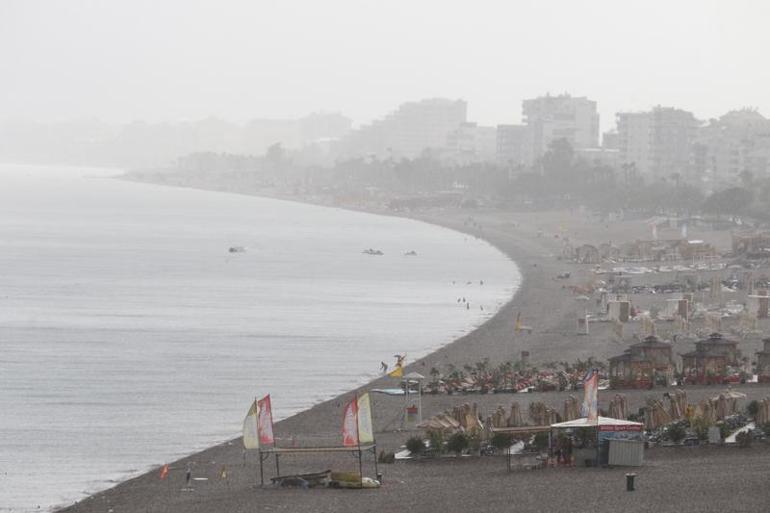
(374, 451)
(360, 466)
(261, 469)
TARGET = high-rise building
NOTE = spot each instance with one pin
(736, 143)
(561, 117)
(657, 143)
(673, 133)
(611, 140)
(470, 143)
(513, 145)
(634, 140)
(408, 131)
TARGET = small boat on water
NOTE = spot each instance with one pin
(410, 253)
(236, 249)
(371, 251)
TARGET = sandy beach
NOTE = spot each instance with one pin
(673, 479)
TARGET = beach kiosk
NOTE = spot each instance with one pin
(597, 441)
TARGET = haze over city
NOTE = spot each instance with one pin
(180, 60)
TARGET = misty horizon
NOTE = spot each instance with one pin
(123, 62)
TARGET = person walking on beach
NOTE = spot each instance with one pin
(383, 367)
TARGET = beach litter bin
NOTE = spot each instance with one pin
(630, 482)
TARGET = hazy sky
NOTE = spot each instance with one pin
(182, 59)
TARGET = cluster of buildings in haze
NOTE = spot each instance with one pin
(664, 142)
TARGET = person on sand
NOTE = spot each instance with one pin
(383, 367)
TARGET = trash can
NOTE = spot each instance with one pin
(630, 482)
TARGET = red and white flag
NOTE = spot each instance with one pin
(265, 421)
(350, 424)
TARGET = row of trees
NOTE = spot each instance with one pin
(559, 179)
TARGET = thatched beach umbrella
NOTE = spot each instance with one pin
(618, 408)
(571, 410)
(515, 420)
(727, 403)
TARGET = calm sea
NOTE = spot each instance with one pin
(130, 336)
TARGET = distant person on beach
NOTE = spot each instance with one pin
(383, 367)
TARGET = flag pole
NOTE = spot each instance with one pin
(261, 469)
(358, 440)
(275, 445)
(374, 440)
(259, 447)
(595, 375)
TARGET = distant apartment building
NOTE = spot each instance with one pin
(408, 131)
(673, 133)
(606, 157)
(560, 117)
(657, 143)
(734, 144)
(260, 134)
(320, 127)
(470, 143)
(611, 140)
(513, 145)
(634, 140)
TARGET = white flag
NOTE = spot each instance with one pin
(365, 429)
(250, 436)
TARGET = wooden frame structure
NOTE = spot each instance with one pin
(264, 455)
(521, 431)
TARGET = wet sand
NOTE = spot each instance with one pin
(674, 479)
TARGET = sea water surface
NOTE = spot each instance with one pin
(130, 336)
